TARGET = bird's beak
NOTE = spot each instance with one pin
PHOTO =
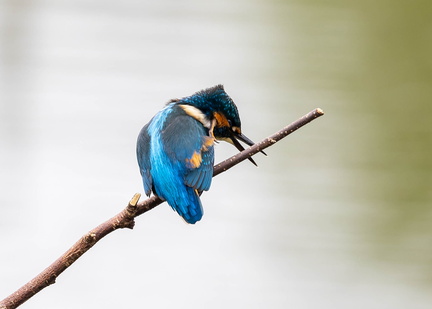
(235, 137)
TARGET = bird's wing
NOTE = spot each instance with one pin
(200, 178)
(143, 156)
(187, 141)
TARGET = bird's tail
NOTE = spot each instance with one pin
(191, 210)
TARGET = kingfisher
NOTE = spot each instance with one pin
(175, 150)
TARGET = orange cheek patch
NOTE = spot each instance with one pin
(221, 120)
(195, 161)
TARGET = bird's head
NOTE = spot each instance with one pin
(219, 109)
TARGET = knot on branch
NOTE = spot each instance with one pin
(50, 280)
(86, 242)
(89, 239)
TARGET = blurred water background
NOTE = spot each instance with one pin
(337, 216)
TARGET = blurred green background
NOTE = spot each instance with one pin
(337, 216)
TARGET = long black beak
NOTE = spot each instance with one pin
(245, 140)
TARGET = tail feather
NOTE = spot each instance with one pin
(189, 208)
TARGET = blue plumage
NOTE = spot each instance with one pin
(175, 150)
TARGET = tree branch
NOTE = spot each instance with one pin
(125, 219)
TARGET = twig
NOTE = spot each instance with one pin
(125, 219)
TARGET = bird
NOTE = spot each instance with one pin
(175, 149)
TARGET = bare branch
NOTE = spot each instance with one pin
(125, 219)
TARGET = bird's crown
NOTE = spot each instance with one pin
(213, 100)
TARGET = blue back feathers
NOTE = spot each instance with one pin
(173, 162)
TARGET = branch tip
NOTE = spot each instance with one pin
(134, 201)
(319, 111)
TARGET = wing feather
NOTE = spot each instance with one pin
(186, 140)
(143, 156)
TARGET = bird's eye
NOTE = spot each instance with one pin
(229, 123)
